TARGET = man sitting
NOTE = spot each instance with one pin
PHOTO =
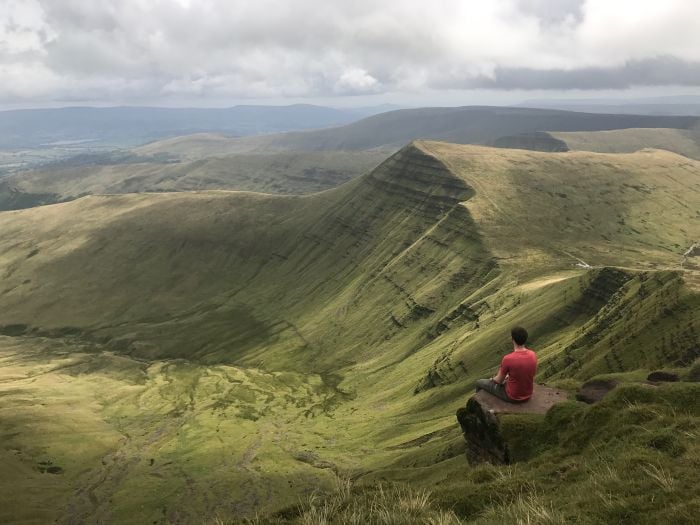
(518, 370)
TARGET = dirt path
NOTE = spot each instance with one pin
(581, 262)
(689, 253)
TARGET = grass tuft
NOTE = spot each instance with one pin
(659, 475)
(378, 505)
(530, 509)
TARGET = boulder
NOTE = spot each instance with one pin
(481, 421)
(595, 390)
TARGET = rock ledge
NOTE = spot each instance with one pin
(481, 421)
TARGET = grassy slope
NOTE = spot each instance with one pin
(464, 125)
(401, 283)
(635, 210)
(190, 147)
(283, 173)
(681, 141)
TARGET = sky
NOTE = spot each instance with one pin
(342, 52)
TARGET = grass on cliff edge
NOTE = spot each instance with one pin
(632, 458)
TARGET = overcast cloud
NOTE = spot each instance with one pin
(132, 50)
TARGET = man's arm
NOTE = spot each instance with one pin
(499, 377)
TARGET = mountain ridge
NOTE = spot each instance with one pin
(434, 184)
(246, 347)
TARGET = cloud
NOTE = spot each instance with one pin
(355, 81)
(158, 49)
(652, 71)
(553, 11)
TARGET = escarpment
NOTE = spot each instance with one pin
(422, 252)
(422, 178)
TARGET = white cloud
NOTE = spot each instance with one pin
(355, 81)
(131, 49)
(22, 27)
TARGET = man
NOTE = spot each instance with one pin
(517, 370)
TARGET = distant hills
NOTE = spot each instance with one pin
(464, 125)
(315, 160)
(368, 127)
(131, 125)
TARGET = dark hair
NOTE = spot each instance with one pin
(519, 335)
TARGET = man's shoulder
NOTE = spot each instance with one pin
(518, 354)
(530, 353)
(510, 356)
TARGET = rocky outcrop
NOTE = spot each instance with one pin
(482, 422)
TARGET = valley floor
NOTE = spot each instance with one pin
(95, 437)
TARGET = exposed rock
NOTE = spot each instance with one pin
(311, 458)
(481, 421)
(593, 391)
(663, 377)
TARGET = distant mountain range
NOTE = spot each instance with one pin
(463, 125)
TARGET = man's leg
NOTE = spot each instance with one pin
(483, 384)
(495, 389)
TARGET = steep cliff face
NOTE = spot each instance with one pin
(646, 320)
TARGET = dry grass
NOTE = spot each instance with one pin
(383, 505)
(659, 475)
(527, 509)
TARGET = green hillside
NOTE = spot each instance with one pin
(282, 173)
(180, 357)
(195, 146)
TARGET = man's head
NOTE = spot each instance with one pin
(519, 335)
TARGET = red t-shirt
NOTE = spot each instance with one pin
(520, 367)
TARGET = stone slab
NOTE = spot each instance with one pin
(543, 398)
